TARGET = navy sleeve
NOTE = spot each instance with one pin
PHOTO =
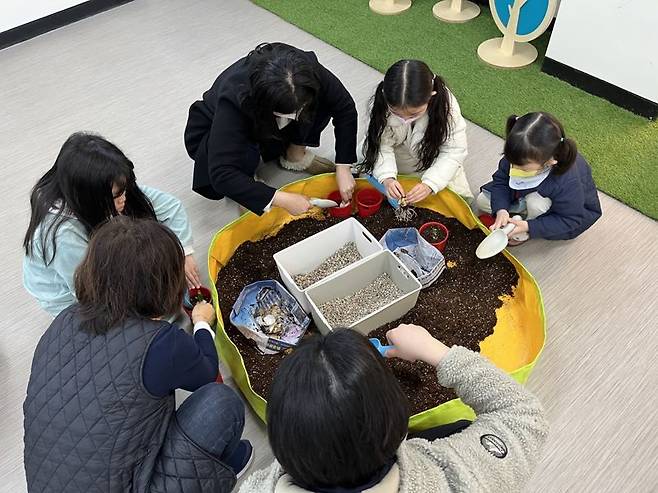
(343, 111)
(177, 360)
(227, 152)
(501, 193)
(565, 215)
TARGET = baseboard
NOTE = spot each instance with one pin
(593, 85)
(56, 20)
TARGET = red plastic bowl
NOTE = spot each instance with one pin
(441, 245)
(339, 211)
(192, 293)
(368, 201)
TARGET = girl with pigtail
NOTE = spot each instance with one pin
(542, 177)
(416, 128)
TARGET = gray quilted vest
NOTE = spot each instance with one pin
(90, 425)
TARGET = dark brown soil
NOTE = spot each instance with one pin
(458, 309)
(433, 234)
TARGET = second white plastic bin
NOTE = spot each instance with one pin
(357, 277)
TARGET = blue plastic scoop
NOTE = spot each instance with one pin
(379, 346)
(382, 189)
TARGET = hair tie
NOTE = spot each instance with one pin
(561, 139)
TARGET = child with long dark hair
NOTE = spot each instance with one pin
(92, 180)
(271, 105)
(416, 127)
(337, 422)
(542, 177)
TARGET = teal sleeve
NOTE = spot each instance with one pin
(170, 211)
(71, 249)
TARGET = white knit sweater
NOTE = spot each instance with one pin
(510, 421)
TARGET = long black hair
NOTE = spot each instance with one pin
(409, 84)
(80, 184)
(336, 415)
(539, 137)
(284, 79)
(132, 268)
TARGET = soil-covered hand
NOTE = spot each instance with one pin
(394, 188)
(418, 193)
(192, 272)
(345, 182)
(294, 203)
(414, 343)
(203, 312)
(502, 218)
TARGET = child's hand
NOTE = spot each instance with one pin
(203, 312)
(192, 272)
(345, 182)
(294, 203)
(521, 226)
(394, 188)
(418, 193)
(502, 218)
(414, 343)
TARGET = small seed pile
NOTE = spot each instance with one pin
(343, 312)
(343, 257)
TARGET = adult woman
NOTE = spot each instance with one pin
(269, 105)
(99, 411)
(91, 181)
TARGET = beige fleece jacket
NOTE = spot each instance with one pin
(497, 453)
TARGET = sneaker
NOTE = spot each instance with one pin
(312, 164)
(241, 459)
(320, 165)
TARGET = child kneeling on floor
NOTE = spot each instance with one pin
(416, 127)
(337, 421)
(542, 177)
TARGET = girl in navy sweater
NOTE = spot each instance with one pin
(543, 178)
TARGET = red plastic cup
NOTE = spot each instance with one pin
(368, 201)
(339, 211)
(441, 245)
(487, 220)
(192, 293)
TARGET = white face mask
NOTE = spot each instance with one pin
(406, 121)
(283, 120)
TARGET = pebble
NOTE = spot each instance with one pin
(343, 257)
(343, 312)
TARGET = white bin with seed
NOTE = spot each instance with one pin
(314, 258)
(391, 291)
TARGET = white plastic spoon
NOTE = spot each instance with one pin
(496, 241)
(323, 203)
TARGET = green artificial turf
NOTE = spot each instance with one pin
(621, 146)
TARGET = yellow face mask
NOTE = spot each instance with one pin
(523, 180)
(521, 173)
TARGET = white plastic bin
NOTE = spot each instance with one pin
(306, 255)
(358, 276)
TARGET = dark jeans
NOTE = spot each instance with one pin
(442, 431)
(213, 418)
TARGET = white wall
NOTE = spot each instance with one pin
(613, 40)
(14, 13)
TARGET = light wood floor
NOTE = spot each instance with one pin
(131, 74)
